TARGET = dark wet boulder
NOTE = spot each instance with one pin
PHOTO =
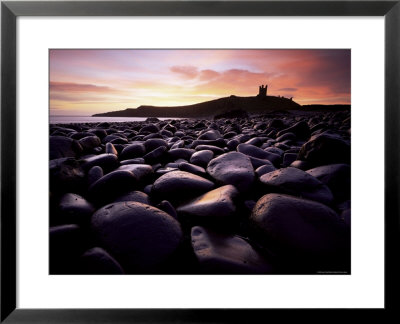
(106, 161)
(66, 175)
(285, 137)
(79, 135)
(151, 128)
(192, 168)
(232, 144)
(136, 196)
(202, 158)
(300, 129)
(88, 143)
(180, 153)
(132, 151)
(98, 261)
(293, 181)
(112, 185)
(232, 168)
(218, 142)
(61, 147)
(139, 236)
(156, 155)
(325, 148)
(210, 135)
(215, 149)
(133, 161)
(288, 158)
(302, 165)
(258, 153)
(215, 205)
(264, 169)
(66, 243)
(74, 209)
(307, 235)
(337, 177)
(94, 174)
(226, 254)
(180, 185)
(153, 143)
(166, 206)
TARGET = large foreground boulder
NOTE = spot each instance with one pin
(139, 236)
(305, 234)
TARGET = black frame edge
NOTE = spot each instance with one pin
(9, 12)
(8, 161)
(392, 156)
(202, 8)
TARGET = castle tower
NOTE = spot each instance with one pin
(262, 91)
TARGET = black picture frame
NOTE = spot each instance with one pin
(10, 10)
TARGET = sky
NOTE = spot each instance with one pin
(85, 82)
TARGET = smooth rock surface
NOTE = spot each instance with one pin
(179, 185)
(227, 254)
(139, 236)
(296, 182)
(215, 204)
(232, 168)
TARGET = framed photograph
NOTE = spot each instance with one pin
(198, 161)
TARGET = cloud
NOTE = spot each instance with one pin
(208, 75)
(77, 87)
(288, 89)
(189, 72)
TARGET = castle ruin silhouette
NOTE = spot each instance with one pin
(262, 91)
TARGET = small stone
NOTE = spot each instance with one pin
(106, 161)
(110, 149)
(166, 206)
(202, 158)
(132, 151)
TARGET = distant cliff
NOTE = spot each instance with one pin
(209, 108)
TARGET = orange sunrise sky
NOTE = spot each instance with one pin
(86, 82)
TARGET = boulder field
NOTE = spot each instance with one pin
(265, 194)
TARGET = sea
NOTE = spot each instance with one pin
(90, 119)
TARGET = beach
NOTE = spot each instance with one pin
(259, 194)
